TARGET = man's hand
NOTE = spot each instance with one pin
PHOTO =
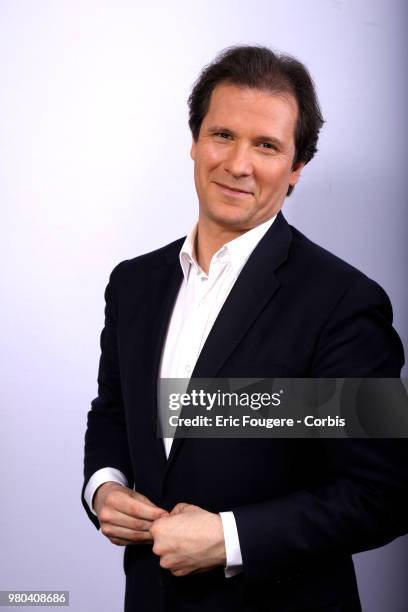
(125, 516)
(189, 540)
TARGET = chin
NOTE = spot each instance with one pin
(228, 214)
(234, 220)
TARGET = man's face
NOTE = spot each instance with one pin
(243, 156)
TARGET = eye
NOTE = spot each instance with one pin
(267, 145)
(223, 135)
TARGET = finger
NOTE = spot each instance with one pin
(121, 542)
(126, 535)
(181, 572)
(169, 562)
(140, 510)
(174, 565)
(124, 503)
(179, 508)
(118, 519)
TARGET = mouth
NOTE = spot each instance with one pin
(233, 191)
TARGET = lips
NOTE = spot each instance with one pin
(233, 190)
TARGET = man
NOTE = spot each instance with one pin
(241, 524)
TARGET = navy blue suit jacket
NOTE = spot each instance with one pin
(302, 507)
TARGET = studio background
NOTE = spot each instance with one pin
(95, 168)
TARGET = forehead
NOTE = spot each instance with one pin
(244, 108)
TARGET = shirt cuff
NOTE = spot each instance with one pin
(232, 547)
(97, 479)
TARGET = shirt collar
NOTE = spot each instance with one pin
(187, 253)
(237, 250)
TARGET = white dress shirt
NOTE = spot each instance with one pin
(199, 301)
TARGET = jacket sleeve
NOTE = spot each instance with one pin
(106, 443)
(364, 502)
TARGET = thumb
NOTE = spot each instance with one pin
(180, 508)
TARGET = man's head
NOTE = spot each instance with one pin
(255, 120)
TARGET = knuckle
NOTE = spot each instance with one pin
(110, 496)
(105, 529)
(113, 495)
(104, 515)
(154, 530)
(139, 525)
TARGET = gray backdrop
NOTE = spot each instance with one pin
(94, 168)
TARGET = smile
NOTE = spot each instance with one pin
(232, 192)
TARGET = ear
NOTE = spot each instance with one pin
(295, 174)
(193, 150)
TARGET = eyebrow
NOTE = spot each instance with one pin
(259, 138)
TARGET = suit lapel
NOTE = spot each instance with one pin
(164, 287)
(164, 284)
(253, 289)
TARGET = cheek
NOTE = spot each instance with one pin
(211, 158)
(273, 181)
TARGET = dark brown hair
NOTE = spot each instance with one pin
(260, 68)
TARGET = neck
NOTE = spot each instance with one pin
(210, 238)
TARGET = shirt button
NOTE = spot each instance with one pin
(187, 369)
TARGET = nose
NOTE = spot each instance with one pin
(238, 162)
